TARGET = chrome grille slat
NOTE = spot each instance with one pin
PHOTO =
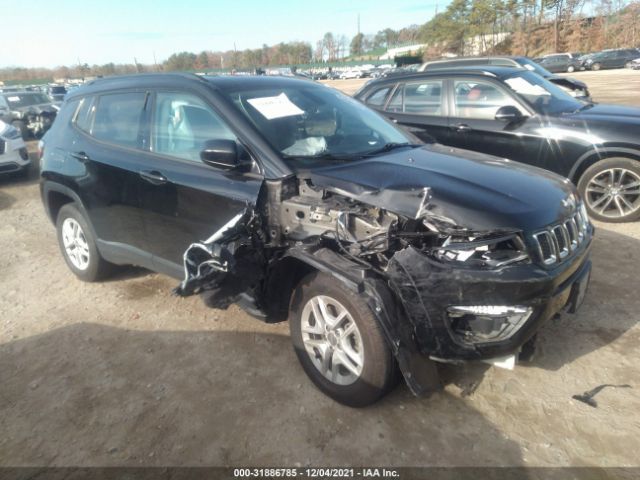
(558, 242)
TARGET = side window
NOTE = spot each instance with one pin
(182, 123)
(117, 118)
(395, 105)
(84, 116)
(479, 100)
(423, 98)
(378, 97)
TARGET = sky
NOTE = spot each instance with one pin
(65, 32)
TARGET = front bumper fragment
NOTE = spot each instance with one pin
(428, 290)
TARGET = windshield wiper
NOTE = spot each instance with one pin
(322, 156)
(390, 146)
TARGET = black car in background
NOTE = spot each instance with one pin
(575, 88)
(519, 115)
(561, 62)
(32, 113)
(57, 92)
(298, 202)
(611, 59)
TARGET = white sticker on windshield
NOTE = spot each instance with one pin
(522, 86)
(13, 99)
(275, 107)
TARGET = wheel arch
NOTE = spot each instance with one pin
(418, 371)
(55, 196)
(594, 156)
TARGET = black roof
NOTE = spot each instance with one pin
(148, 80)
(229, 83)
(484, 70)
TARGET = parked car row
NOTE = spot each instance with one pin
(571, 62)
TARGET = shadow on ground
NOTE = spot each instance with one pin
(94, 395)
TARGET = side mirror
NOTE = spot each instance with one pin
(222, 154)
(509, 114)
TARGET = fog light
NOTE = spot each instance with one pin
(487, 323)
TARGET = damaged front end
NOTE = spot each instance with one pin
(441, 289)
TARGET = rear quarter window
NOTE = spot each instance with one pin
(84, 116)
(118, 117)
(377, 98)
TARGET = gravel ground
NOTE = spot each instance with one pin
(123, 373)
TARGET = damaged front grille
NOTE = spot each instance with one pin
(558, 242)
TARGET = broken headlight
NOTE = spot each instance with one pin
(475, 252)
(487, 323)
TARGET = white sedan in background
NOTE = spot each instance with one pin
(13, 151)
(351, 74)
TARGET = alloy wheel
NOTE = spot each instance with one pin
(614, 193)
(75, 244)
(332, 340)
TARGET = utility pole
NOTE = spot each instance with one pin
(358, 24)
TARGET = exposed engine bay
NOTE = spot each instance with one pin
(364, 234)
(425, 277)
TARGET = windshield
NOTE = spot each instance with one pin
(58, 90)
(542, 95)
(18, 100)
(308, 122)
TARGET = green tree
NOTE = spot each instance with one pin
(356, 46)
(180, 61)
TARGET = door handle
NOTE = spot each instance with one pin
(83, 157)
(154, 177)
(462, 127)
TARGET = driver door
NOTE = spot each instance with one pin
(473, 126)
(184, 200)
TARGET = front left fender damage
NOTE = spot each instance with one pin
(258, 257)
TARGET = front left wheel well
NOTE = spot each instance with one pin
(55, 201)
(281, 282)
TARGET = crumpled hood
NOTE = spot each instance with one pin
(471, 190)
(567, 81)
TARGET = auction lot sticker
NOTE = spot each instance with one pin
(275, 107)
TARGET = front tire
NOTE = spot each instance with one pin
(339, 342)
(571, 69)
(596, 67)
(78, 246)
(611, 190)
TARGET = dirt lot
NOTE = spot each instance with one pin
(123, 373)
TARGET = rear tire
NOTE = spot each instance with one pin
(356, 336)
(571, 69)
(609, 188)
(78, 246)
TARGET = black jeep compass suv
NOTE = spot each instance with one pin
(300, 203)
